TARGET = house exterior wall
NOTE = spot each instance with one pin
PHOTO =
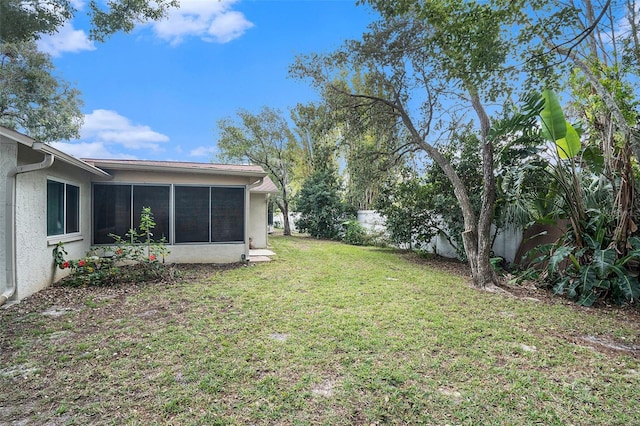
(203, 253)
(8, 160)
(35, 269)
(207, 253)
(258, 220)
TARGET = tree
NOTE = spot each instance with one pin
(439, 47)
(266, 140)
(605, 102)
(24, 20)
(317, 131)
(320, 205)
(32, 99)
(373, 147)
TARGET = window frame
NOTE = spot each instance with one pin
(172, 210)
(133, 217)
(65, 235)
(209, 189)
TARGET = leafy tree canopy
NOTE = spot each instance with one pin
(264, 139)
(32, 99)
(23, 20)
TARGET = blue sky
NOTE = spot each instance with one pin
(157, 93)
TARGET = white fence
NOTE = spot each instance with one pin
(506, 243)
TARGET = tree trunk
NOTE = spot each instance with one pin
(477, 245)
(284, 208)
(485, 275)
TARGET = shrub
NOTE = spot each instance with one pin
(134, 259)
(87, 271)
(355, 234)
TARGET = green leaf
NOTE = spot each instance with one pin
(587, 299)
(627, 285)
(558, 256)
(569, 146)
(554, 125)
(588, 277)
(603, 261)
(593, 157)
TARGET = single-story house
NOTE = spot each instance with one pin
(208, 213)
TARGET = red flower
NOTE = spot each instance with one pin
(119, 251)
(66, 264)
(152, 257)
(81, 263)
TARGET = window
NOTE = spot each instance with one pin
(117, 208)
(201, 214)
(227, 214)
(192, 213)
(63, 208)
(209, 214)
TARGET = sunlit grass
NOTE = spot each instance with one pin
(325, 334)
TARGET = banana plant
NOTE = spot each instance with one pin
(556, 129)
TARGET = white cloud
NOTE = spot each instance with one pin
(90, 150)
(67, 39)
(208, 19)
(109, 127)
(203, 151)
(107, 134)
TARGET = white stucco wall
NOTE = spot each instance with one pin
(206, 253)
(8, 159)
(34, 261)
(258, 220)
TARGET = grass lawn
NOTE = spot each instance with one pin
(325, 334)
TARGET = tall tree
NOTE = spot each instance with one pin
(32, 99)
(264, 139)
(439, 47)
(23, 20)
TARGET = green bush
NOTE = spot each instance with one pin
(355, 234)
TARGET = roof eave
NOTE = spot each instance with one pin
(176, 169)
(48, 149)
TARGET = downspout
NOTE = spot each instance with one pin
(10, 224)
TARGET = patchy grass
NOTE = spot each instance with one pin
(325, 334)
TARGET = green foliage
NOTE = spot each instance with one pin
(321, 209)
(355, 234)
(417, 209)
(25, 20)
(90, 270)
(32, 99)
(591, 273)
(407, 208)
(556, 129)
(264, 139)
(134, 259)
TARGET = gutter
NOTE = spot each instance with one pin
(10, 223)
